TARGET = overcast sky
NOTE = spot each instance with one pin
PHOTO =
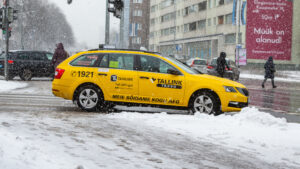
(87, 18)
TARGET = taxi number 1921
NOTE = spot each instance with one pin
(84, 74)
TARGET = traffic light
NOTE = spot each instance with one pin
(12, 14)
(117, 7)
(2, 19)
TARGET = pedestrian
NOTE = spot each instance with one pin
(59, 55)
(222, 64)
(269, 72)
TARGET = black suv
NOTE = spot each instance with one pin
(27, 64)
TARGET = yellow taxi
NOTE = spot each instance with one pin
(98, 78)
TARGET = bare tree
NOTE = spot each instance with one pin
(40, 26)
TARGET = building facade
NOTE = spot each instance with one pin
(134, 26)
(204, 28)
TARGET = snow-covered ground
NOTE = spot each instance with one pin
(35, 141)
(284, 76)
(11, 85)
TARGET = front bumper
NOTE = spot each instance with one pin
(238, 104)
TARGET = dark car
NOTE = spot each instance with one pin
(233, 73)
(27, 64)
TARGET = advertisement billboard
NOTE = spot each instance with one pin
(241, 57)
(269, 29)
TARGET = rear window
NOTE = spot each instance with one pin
(199, 62)
(88, 60)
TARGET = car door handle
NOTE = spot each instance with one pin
(143, 77)
(102, 74)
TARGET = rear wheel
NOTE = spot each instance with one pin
(205, 102)
(89, 98)
(26, 74)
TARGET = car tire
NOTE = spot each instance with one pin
(26, 74)
(205, 102)
(89, 98)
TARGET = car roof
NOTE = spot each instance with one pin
(125, 50)
(15, 51)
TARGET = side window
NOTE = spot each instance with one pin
(88, 60)
(152, 64)
(37, 56)
(121, 61)
(104, 61)
(49, 56)
(23, 56)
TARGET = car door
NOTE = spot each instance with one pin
(117, 76)
(38, 63)
(157, 84)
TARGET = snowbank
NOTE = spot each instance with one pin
(6, 86)
(271, 139)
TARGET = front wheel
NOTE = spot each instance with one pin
(89, 98)
(205, 102)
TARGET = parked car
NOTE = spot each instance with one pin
(97, 79)
(233, 73)
(198, 64)
(27, 64)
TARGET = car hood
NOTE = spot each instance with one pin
(220, 81)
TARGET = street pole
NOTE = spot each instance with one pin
(107, 24)
(239, 29)
(6, 39)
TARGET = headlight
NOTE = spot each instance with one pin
(229, 89)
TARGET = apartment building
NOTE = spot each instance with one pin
(134, 26)
(204, 28)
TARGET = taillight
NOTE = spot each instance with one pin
(10, 61)
(209, 67)
(228, 69)
(58, 73)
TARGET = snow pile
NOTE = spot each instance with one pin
(271, 139)
(7, 85)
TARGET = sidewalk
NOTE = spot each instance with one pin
(284, 76)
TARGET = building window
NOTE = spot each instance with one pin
(136, 40)
(153, 8)
(209, 22)
(228, 19)
(186, 27)
(152, 21)
(192, 26)
(186, 11)
(202, 6)
(166, 3)
(220, 20)
(137, 1)
(210, 4)
(228, 1)
(230, 38)
(137, 13)
(202, 24)
(220, 2)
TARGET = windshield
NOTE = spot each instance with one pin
(199, 62)
(182, 66)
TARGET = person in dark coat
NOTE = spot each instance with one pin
(269, 72)
(59, 55)
(222, 64)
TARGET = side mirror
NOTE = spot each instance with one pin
(173, 72)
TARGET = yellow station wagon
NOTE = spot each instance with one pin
(97, 79)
